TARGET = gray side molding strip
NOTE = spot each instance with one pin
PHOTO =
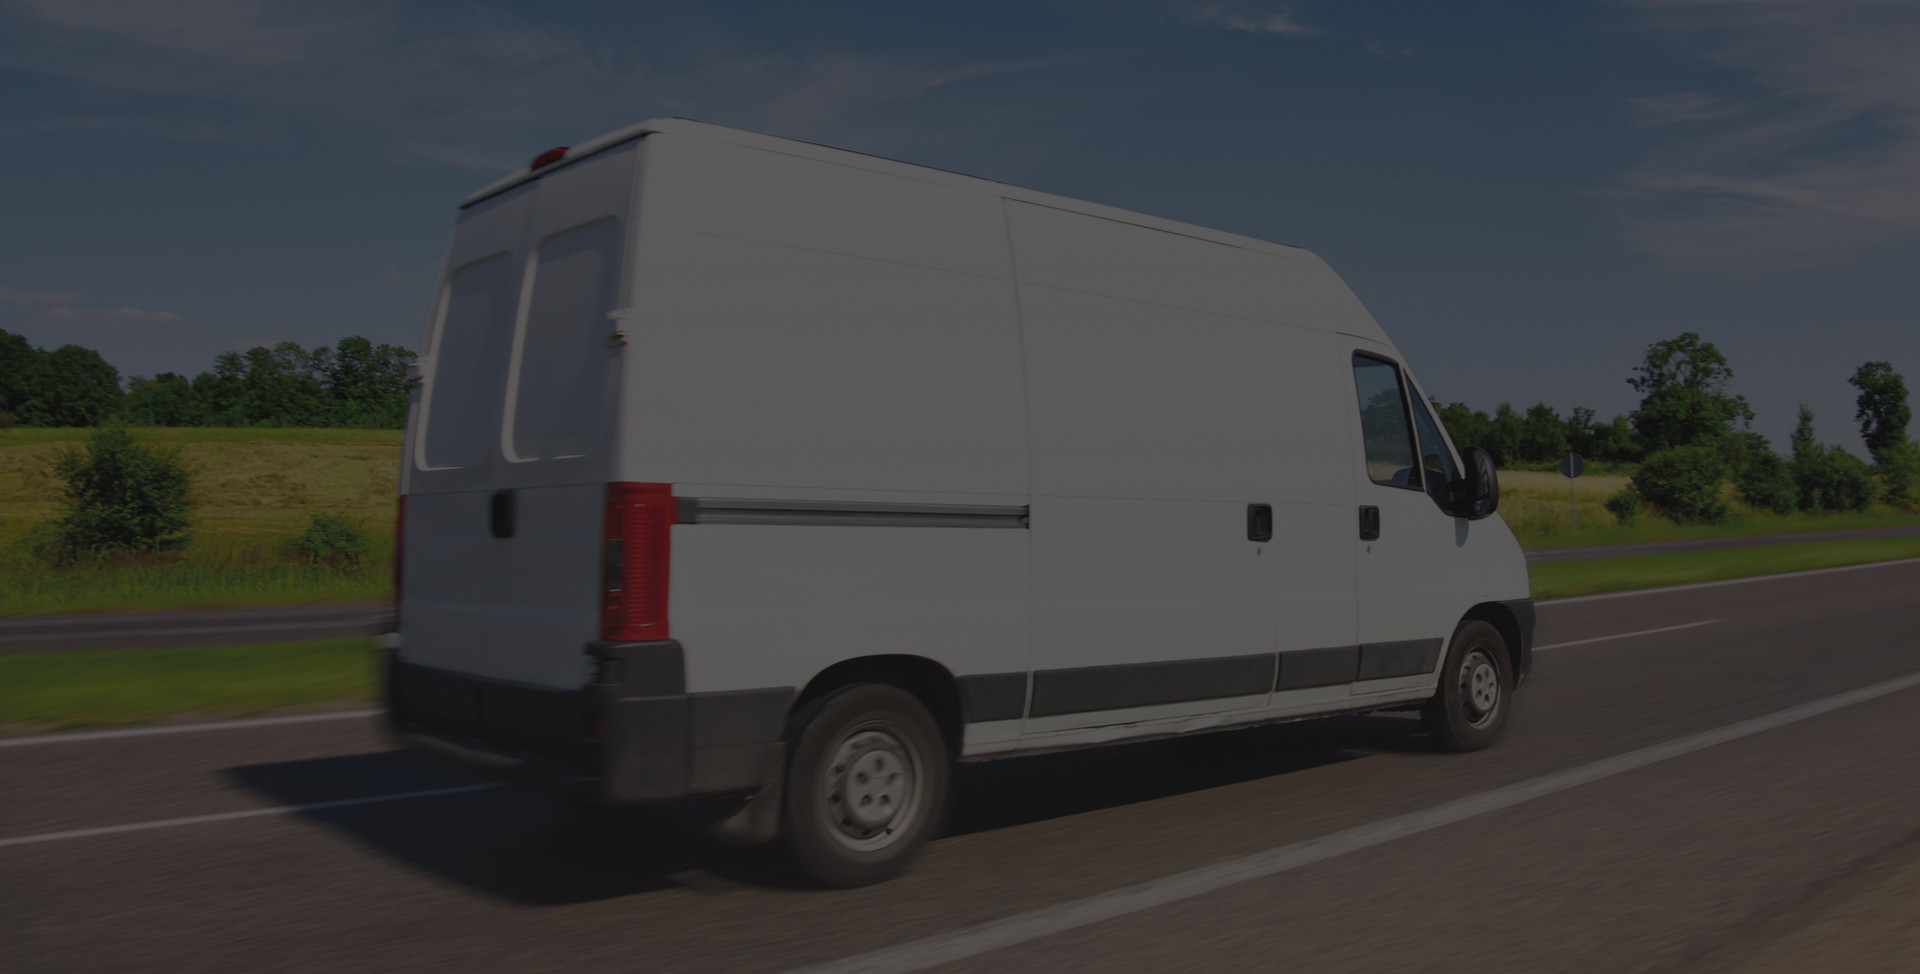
(730, 510)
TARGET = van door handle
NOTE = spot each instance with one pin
(1369, 523)
(1259, 522)
(501, 514)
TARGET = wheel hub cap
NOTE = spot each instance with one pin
(1479, 686)
(870, 784)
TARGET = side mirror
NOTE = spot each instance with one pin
(1477, 494)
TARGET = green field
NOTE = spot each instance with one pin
(52, 691)
(1536, 506)
(254, 489)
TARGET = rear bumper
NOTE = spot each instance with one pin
(633, 735)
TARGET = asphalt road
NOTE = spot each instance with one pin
(165, 628)
(1687, 786)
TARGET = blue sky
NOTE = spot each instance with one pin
(1525, 194)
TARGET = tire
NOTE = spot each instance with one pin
(1476, 690)
(866, 786)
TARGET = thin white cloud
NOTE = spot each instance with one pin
(1681, 107)
(1389, 49)
(109, 316)
(1816, 160)
(484, 89)
(1281, 21)
(29, 298)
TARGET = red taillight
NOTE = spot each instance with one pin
(637, 545)
(548, 157)
(399, 554)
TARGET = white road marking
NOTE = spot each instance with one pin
(1626, 635)
(78, 736)
(1046, 921)
(167, 823)
(1787, 576)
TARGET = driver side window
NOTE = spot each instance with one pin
(1384, 428)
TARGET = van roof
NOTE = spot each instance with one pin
(721, 133)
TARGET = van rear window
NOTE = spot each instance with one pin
(565, 370)
(470, 358)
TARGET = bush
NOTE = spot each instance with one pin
(1897, 469)
(1766, 482)
(1684, 482)
(1833, 480)
(331, 540)
(1625, 505)
(122, 497)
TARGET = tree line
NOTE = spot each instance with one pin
(355, 384)
(1690, 435)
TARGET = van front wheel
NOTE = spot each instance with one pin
(1476, 688)
(866, 786)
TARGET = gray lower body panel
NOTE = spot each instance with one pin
(633, 736)
(1090, 688)
(1407, 657)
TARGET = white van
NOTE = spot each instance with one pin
(747, 467)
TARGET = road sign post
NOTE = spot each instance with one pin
(1571, 466)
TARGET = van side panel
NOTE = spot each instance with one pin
(816, 332)
(783, 300)
(1163, 404)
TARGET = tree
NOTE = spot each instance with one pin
(223, 391)
(21, 368)
(369, 384)
(1503, 435)
(1580, 431)
(78, 388)
(1465, 426)
(1684, 482)
(1763, 479)
(1684, 400)
(164, 400)
(281, 388)
(1883, 415)
(1616, 442)
(1828, 479)
(1542, 435)
(121, 496)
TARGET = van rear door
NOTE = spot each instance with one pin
(507, 484)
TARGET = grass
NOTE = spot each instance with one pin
(1560, 579)
(198, 577)
(1535, 506)
(52, 691)
(255, 488)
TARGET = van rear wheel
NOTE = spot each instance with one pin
(867, 784)
(1476, 688)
